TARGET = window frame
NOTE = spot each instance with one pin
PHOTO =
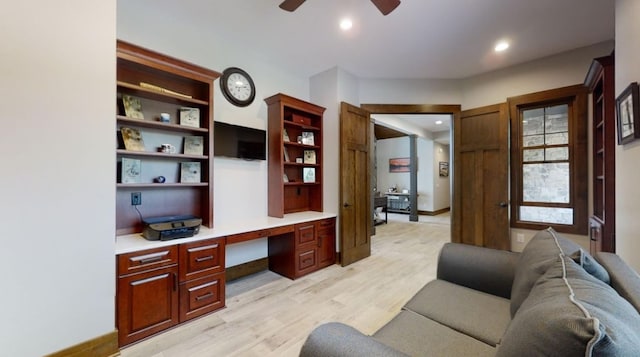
(576, 98)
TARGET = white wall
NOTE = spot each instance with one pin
(627, 156)
(240, 187)
(442, 185)
(426, 180)
(410, 91)
(58, 166)
(556, 71)
(389, 149)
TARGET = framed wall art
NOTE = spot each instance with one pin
(402, 164)
(628, 114)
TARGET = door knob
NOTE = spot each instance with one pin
(345, 205)
(502, 204)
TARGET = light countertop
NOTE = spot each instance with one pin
(135, 242)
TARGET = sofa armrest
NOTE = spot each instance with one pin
(478, 268)
(337, 339)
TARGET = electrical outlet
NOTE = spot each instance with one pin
(136, 198)
(520, 237)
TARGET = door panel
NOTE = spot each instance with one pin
(355, 198)
(481, 214)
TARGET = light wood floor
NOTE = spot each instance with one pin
(268, 315)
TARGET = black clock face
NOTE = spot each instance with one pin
(237, 86)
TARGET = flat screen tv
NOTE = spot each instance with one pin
(240, 142)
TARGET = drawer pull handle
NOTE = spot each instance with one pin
(149, 258)
(205, 296)
(204, 259)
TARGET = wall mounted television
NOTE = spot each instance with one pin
(240, 142)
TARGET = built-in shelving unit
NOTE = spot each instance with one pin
(163, 84)
(295, 155)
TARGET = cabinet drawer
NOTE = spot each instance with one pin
(305, 234)
(201, 296)
(329, 223)
(130, 263)
(305, 261)
(201, 258)
(261, 233)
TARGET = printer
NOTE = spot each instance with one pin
(170, 227)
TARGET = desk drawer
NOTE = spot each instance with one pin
(306, 261)
(130, 263)
(201, 296)
(261, 233)
(201, 258)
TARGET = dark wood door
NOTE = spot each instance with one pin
(147, 303)
(355, 198)
(480, 175)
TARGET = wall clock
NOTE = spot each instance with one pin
(237, 86)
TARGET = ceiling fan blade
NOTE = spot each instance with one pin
(386, 6)
(291, 5)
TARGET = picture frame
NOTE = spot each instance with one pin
(132, 139)
(443, 169)
(130, 171)
(628, 114)
(310, 157)
(193, 145)
(190, 117)
(400, 164)
(132, 107)
(190, 172)
(308, 138)
(309, 175)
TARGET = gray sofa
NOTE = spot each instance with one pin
(553, 299)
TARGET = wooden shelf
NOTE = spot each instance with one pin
(161, 185)
(302, 146)
(153, 94)
(158, 125)
(161, 154)
(301, 183)
(289, 123)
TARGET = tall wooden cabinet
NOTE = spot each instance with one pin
(295, 155)
(161, 84)
(600, 81)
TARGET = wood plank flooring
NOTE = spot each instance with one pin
(269, 315)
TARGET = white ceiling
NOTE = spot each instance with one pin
(420, 39)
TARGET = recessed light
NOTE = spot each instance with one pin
(438, 122)
(346, 24)
(501, 46)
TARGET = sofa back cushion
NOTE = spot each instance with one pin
(623, 279)
(541, 252)
(591, 266)
(571, 313)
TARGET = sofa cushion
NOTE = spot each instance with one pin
(417, 335)
(536, 257)
(480, 315)
(623, 279)
(571, 313)
(590, 265)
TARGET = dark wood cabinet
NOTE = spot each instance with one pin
(600, 81)
(310, 247)
(161, 84)
(326, 242)
(202, 280)
(295, 166)
(147, 293)
(161, 287)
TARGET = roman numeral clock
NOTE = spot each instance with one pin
(237, 87)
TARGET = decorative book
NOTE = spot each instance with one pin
(130, 171)
(190, 117)
(132, 107)
(194, 145)
(307, 138)
(285, 135)
(309, 174)
(190, 172)
(132, 139)
(286, 155)
(310, 157)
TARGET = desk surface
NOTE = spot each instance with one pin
(136, 242)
